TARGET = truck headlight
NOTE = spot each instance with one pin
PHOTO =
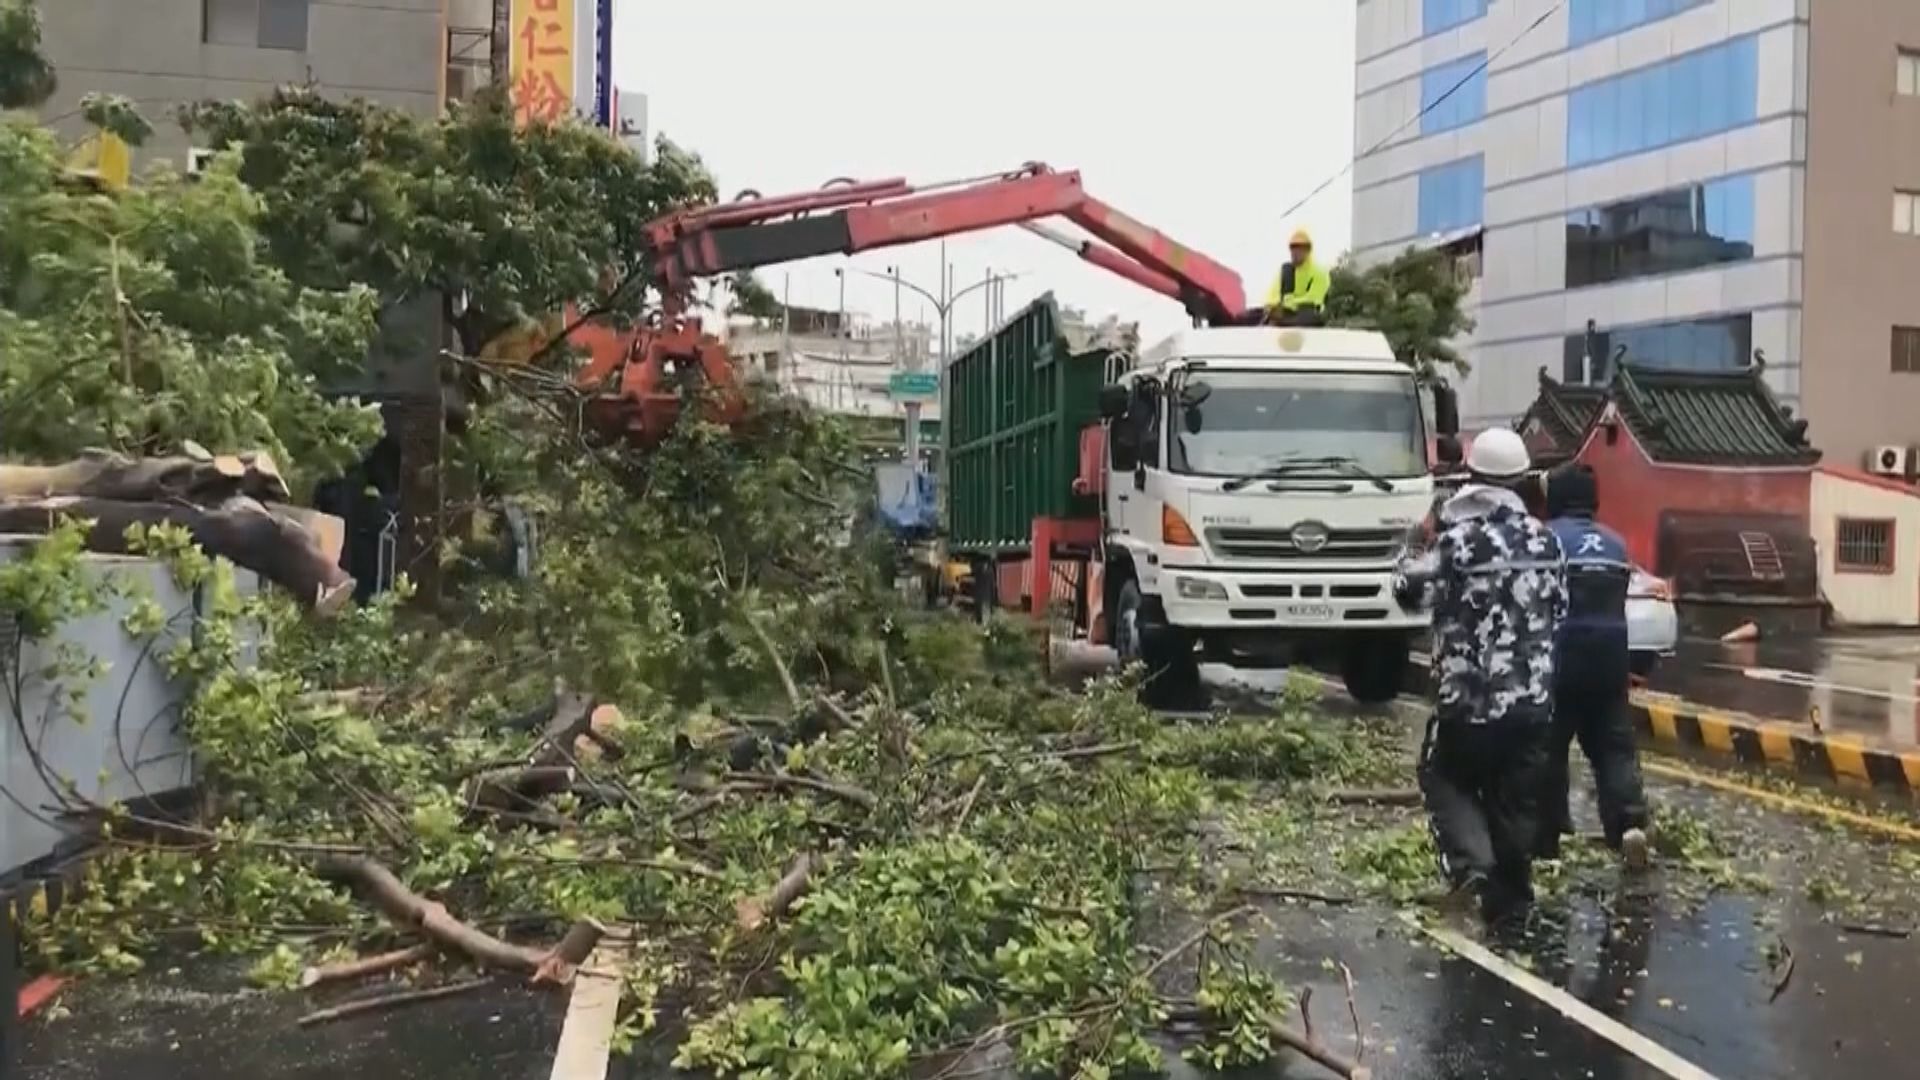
(1199, 589)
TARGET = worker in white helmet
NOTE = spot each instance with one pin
(1495, 580)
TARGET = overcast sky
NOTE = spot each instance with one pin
(1203, 118)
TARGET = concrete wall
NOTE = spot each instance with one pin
(1865, 598)
(129, 743)
(153, 52)
(1635, 490)
(1861, 277)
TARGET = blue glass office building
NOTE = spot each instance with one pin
(1645, 164)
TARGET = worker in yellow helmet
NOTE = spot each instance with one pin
(1299, 293)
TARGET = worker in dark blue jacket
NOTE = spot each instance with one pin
(1591, 673)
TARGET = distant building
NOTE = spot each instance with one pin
(162, 54)
(840, 365)
(1700, 178)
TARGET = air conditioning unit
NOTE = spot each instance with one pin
(1890, 460)
(198, 158)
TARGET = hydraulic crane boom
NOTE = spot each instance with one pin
(887, 213)
(630, 384)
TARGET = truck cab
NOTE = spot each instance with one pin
(1262, 486)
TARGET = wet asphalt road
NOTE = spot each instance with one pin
(1694, 973)
(1863, 685)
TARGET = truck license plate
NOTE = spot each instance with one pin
(1309, 612)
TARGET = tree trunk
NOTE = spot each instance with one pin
(200, 478)
(240, 530)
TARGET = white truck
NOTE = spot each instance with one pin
(1262, 484)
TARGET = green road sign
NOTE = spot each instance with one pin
(914, 386)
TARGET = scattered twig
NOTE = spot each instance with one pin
(1311, 1048)
(844, 792)
(1265, 892)
(389, 1001)
(1083, 753)
(1306, 1012)
(1874, 930)
(1187, 943)
(966, 804)
(362, 966)
(680, 867)
(886, 679)
(843, 720)
(755, 911)
(1376, 796)
(705, 804)
(1785, 969)
(779, 666)
(1353, 1012)
(503, 789)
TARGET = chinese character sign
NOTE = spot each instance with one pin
(543, 61)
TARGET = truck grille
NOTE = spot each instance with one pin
(1270, 545)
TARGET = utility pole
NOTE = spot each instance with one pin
(786, 331)
(840, 333)
(900, 359)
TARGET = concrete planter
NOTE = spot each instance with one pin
(126, 741)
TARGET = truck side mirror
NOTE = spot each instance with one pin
(1114, 400)
(1447, 449)
(1446, 411)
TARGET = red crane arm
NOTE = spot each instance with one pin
(858, 217)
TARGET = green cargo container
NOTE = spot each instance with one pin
(1015, 405)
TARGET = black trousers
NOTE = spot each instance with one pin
(1482, 784)
(1590, 706)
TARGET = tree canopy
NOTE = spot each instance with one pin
(1415, 299)
(506, 225)
(137, 321)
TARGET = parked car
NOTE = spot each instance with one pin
(1653, 626)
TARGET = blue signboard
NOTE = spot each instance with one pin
(603, 65)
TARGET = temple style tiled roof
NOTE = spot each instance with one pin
(1563, 412)
(1709, 417)
(1684, 417)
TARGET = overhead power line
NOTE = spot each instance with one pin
(1424, 110)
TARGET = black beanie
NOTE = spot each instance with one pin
(1572, 489)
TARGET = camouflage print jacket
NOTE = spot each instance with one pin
(1496, 581)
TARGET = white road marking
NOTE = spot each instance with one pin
(1649, 1052)
(586, 1037)
(1811, 682)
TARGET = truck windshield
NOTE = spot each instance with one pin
(1241, 423)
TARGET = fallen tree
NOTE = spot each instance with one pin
(275, 544)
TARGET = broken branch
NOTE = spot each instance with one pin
(1311, 1048)
(779, 666)
(754, 912)
(362, 966)
(1376, 796)
(843, 792)
(432, 920)
(389, 1001)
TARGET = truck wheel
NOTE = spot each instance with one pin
(1374, 667)
(1173, 670)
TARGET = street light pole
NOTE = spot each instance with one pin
(943, 307)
